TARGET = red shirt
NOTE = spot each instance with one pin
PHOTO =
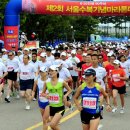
(84, 67)
(79, 57)
(105, 58)
(115, 74)
(109, 68)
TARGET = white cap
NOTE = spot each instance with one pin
(107, 50)
(63, 54)
(20, 51)
(117, 62)
(109, 54)
(84, 54)
(43, 54)
(26, 49)
(4, 50)
(73, 52)
(56, 47)
(54, 67)
(43, 69)
(23, 33)
(34, 33)
(58, 62)
(53, 51)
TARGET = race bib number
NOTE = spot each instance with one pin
(89, 103)
(10, 68)
(54, 98)
(25, 73)
(116, 77)
(41, 98)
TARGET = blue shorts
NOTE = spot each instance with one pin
(43, 105)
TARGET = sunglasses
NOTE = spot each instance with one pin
(9, 55)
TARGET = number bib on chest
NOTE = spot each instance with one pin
(25, 73)
(41, 98)
(116, 77)
(89, 102)
(10, 68)
(54, 98)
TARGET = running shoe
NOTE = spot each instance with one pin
(27, 107)
(71, 108)
(7, 100)
(122, 111)
(114, 110)
(17, 97)
(100, 126)
(34, 99)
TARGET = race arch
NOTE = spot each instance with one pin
(56, 7)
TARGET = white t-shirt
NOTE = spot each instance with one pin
(67, 63)
(12, 64)
(125, 66)
(74, 61)
(50, 58)
(100, 74)
(27, 71)
(64, 73)
(46, 64)
(4, 59)
(2, 69)
(35, 64)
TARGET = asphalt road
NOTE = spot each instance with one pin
(13, 116)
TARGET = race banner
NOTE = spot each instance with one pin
(11, 37)
(85, 8)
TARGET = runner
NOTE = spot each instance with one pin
(74, 72)
(3, 73)
(109, 68)
(34, 62)
(55, 87)
(64, 74)
(12, 66)
(26, 75)
(25, 52)
(42, 101)
(118, 85)
(90, 105)
(43, 61)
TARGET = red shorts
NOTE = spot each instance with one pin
(2, 81)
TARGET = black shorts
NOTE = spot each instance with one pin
(26, 84)
(54, 110)
(75, 78)
(67, 96)
(121, 90)
(87, 117)
(12, 76)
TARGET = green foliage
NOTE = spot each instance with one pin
(53, 27)
(2, 10)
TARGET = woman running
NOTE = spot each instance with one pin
(55, 87)
(118, 85)
(42, 101)
(90, 105)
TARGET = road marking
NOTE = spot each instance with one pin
(62, 120)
